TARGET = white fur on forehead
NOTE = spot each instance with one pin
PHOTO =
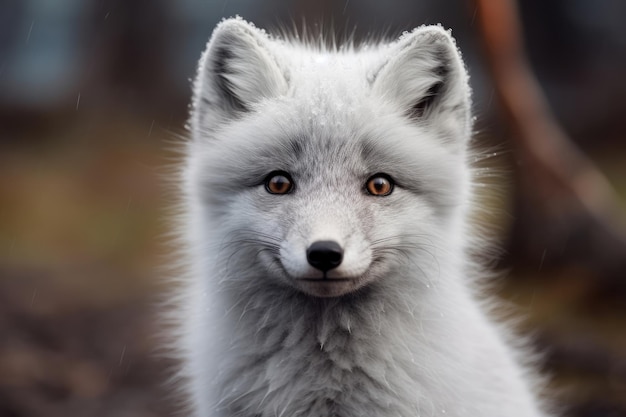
(421, 76)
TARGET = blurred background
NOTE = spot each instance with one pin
(92, 92)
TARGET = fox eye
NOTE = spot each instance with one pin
(278, 182)
(380, 185)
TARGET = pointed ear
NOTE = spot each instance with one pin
(425, 77)
(236, 71)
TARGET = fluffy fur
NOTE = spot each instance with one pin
(398, 332)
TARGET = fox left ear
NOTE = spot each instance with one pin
(237, 70)
(425, 76)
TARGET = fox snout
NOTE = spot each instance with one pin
(326, 264)
(324, 255)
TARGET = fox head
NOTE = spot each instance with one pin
(327, 170)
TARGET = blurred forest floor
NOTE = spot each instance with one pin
(81, 222)
(81, 235)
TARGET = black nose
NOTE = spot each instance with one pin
(324, 255)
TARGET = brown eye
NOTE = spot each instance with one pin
(278, 182)
(380, 185)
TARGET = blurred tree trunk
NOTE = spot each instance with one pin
(566, 207)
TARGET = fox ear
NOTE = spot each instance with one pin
(236, 71)
(425, 76)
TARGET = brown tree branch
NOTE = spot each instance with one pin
(560, 171)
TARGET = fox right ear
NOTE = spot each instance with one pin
(236, 71)
(425, 76)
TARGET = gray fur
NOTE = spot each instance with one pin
(404, 336)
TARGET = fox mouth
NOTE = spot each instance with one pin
(331, 283)
(326, 286)
(324, 279)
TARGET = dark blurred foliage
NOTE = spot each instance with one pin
(91, 95)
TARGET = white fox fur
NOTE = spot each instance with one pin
(393, 331)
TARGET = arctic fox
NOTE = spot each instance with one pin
(326, 194)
